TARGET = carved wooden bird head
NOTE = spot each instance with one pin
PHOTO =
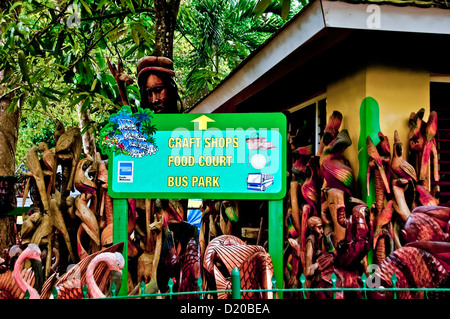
(383, 147)
(398, 145)
(340, 143)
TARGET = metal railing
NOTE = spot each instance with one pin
(236, 290)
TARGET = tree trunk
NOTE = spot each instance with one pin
(165, 21)
(9, 132)
(87, 137)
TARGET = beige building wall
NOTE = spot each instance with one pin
(398, 93)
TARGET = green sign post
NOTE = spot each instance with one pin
(208, 156)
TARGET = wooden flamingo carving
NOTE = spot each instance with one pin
(114, 261)
(31, 252)
(14, 284)
(254, 263)
(9, 289)
(210, 254)
(70, 285)
(425, 260)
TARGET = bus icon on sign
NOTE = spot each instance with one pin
(259, 181)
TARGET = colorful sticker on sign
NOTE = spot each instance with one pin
(129, 134)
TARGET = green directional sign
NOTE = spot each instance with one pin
(209, 156)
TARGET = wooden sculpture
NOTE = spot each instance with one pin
(430, 145)
(295, 213)
(59, 223)
(14, 284)
(210, 254)
(313, 250)
(48, 157)
(358, 236)
(381, 213)
(106, 207)
(177, 256)
(34, 165)
(81, 182)
(68, 150)
(381, 180)
(348, 244)
(333, 205)
(207, 227)
(226, 252)
(413, 267)
(310, 188)
(334, 167)
(89, 222)
(229, 214)
(70, 285)
(425, 198)
(146, 259)
(402, 168)
(405, 175)
(187, 263)
(427, 223)
(295, 261)
(331, 131)
(380, 233)
(422, 142)
(114, 262)
(425, 260)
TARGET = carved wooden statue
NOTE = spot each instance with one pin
(380, 213)
(227, 252)
(425, 260)
(422, 142)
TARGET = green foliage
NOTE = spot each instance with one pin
(221, 34)
(55, 58)
(54, 54)
(284, 8)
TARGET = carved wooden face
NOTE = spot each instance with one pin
(318, 230)
(156, 94)
(336, 202)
